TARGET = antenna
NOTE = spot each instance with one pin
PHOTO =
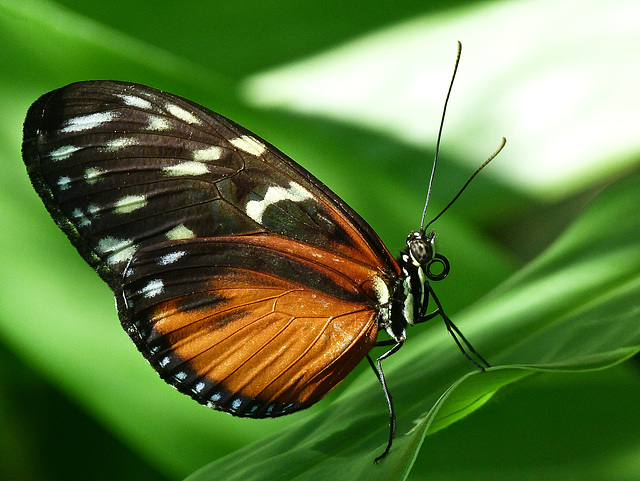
(493, 156)
(435, 157)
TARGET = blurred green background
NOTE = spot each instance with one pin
(352, 90)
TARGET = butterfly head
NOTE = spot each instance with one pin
(422, 253)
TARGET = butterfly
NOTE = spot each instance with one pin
(244, 281)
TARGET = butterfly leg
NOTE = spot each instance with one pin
(423, 316)
(380, 375)
(454, 331)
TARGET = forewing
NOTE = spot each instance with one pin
(122, 166)
(257, 326)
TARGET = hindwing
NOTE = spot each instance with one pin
(254, 325)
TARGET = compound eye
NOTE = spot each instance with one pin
(420, 247)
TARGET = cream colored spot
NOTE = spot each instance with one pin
(158, 123)
(180, 232)
(64, 182)
(92, 174)
(133, 101)
(129, 203)
(182, 114)
(120, 143)
(295, 193)
(93, 209)
(186, 168)
(64, 152)
(80, 218)
(249, 145)
(210, 153)
(116, 250)
(153, 288)
(86, 122)
(171, 258)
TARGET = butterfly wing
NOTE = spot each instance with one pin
(274, 261)
(121, 166)
(252, 325)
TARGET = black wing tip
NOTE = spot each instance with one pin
(33, 127)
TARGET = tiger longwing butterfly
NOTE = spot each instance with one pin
(244, 281)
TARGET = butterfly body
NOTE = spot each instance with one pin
(244, 281)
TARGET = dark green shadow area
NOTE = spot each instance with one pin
(45, 435)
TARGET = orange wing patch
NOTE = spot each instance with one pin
(275, 344)
(251, 325)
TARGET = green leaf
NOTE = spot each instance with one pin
(561, 426)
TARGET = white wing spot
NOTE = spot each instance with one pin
(182, 114)
(295, 193)
(87, 122)
(235, 405)
(153, 288)
(165, 360)
(186, 168)
(210, 153)
(158, 123)
(133, 101)
(181, 376)
(216, 397)
(64, 182)
(64, 152)
(120, 143)
(199, 387)
(171, 258)
(129, 203)
(81, 219)
(249, 145)
(180, 232)
(117, 250)
(92, 174)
